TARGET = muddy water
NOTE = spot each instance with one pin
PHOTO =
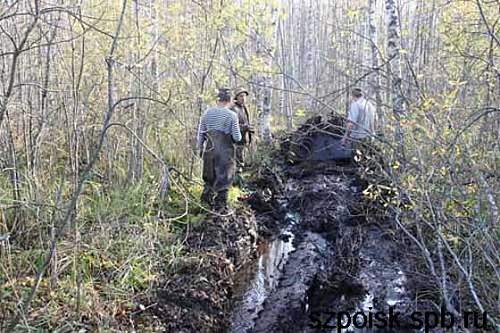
(259, 278)
(382, 282)
(286, 286)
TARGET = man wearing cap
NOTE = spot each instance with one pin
(361, 120)
(241, 110)
(219, 129)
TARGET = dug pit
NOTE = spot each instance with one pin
(326, 259)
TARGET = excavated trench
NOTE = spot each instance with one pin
(326, 260)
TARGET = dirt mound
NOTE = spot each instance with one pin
(193, 297)
(235, 235)
(322, 200)
(317, 139)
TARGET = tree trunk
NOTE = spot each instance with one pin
(375, 76)
(264, 49)
(394, 70)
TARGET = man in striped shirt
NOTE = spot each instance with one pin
(219, 129)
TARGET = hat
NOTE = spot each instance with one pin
(240, 90)
(357, 92)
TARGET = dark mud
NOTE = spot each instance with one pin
(194, 293)
(300, 248)
(256, 281)
(284, 309)
(340, 261)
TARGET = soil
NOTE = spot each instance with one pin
(300, 248)
(196, 295)
(341, 261)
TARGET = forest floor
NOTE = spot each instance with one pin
(299, 248)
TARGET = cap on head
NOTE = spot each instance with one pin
(224, 95)
(357, 92)
(240, 90)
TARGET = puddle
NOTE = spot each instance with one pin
(384, 282)
(393, 295)
(259, 278)
(337, 266)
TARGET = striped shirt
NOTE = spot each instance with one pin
(218, 119)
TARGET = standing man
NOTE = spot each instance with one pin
(360, 120)
(219, 129)
(241, 111)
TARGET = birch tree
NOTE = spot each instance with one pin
(394, 68)
(264, 82)
(375, 77)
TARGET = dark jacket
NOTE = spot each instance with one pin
(244, 121)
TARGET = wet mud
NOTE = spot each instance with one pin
(257, 280)
(337, 262)
(194, 293)
(298, 250)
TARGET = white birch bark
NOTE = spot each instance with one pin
(394, 67)
(264, 104)
(375, 77)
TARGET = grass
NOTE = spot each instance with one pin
(120, 244)
(109, 260)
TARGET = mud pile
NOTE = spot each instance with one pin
(341, 260)
(322, 203)
(300, 248)
(194, 296)
(318, 139)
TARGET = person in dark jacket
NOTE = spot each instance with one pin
(218, 132)
(240, 108)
